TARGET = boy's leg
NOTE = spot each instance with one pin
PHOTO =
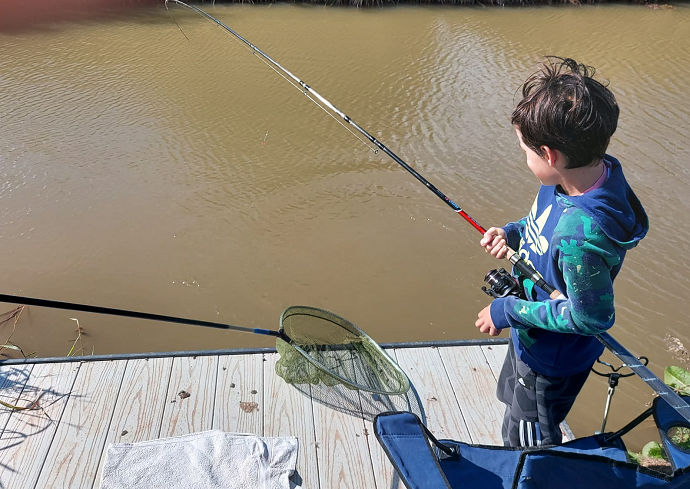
(535, 404)
(555, 398)
(521, 416)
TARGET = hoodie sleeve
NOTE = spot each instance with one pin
(585, 257)
(514, 232)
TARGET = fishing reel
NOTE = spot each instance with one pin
(502, 284)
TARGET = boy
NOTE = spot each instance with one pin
(583, 220)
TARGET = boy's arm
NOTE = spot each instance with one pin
(585, 258)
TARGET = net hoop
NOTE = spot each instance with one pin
(404, 385)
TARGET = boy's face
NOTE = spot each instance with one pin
(539, 165)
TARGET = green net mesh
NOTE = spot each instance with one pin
(328, 349)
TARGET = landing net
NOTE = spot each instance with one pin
(328, 349)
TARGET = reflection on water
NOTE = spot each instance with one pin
(134, 174)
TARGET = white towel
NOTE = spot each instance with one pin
(205, 460)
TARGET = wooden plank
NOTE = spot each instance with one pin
(239, 402)
(425, 369)
(190, 397)
(26, 439)
(385, 476)
(495, 355)
(475, 386)
(75, 453)
(12, 382)
(341, 438)
(140, 405)
(141, 402)
(288, 412)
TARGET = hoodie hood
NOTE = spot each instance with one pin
(614, 207)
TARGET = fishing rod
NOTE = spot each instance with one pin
(494, 279)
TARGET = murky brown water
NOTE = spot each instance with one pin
(133, 173)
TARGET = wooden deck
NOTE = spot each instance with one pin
(85, 406)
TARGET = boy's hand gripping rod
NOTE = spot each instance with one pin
(525, 269)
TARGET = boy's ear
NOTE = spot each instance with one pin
(552, 156)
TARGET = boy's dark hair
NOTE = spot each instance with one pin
(564, 108)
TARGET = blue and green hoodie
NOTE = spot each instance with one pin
(577, 243)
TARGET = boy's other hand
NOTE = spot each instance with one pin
(486, 324)
(494, 242)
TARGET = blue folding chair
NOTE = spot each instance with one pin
(594, 462)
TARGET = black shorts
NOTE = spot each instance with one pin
(536, 404)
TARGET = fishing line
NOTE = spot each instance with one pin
(178, 25)
(303, 92)
(315, 102)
